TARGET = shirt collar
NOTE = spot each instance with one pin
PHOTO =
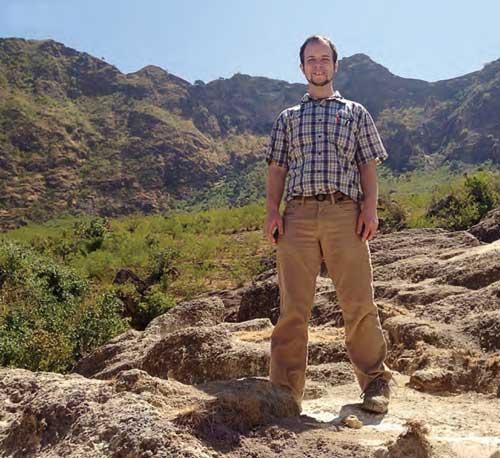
(336, 95)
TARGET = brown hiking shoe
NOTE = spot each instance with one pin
(376, 396)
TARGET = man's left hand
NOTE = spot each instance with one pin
(367, 222)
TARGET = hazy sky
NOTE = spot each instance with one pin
(430, 40)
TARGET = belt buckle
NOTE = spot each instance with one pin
(320, 197)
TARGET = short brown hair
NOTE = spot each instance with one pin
(314, 38)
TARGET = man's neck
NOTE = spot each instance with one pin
(318, 92)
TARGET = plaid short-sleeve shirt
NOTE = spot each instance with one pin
(321, 142)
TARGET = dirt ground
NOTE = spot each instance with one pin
(460, 426)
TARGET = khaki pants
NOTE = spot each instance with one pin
(313, 231)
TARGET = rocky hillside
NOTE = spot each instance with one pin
(194, 382)
(76, 134)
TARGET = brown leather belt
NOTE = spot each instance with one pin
(337, 195)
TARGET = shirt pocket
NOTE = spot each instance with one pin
(341, 133)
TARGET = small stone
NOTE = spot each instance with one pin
(352, 421)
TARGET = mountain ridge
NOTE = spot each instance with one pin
(80, 135)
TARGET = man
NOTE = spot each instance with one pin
(329, 148)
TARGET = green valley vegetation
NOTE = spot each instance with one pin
(452, 197)
(71, 284)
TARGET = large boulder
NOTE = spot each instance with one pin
(200, 354)
(207, 311)
(127, 350)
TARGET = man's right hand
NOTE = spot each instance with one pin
(273, 220)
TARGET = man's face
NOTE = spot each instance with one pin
(318, 65)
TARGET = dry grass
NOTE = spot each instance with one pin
(197, 416)
(315, 335)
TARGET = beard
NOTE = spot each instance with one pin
(321, 83)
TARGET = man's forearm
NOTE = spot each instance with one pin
(368, 173)
(276, 177)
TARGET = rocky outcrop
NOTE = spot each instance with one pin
(48, 414)
(194, 381)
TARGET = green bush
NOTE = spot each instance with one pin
(163, 266)
(91, 233)
(153, 304)
(45, 323)
(481, 191)
(465, 205)
(98, 323)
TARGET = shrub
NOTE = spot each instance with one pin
(466, 205)
(44, 323)
(98, 323)
(92, 233)
(163, 266)
(154, 303)
(480, 190)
